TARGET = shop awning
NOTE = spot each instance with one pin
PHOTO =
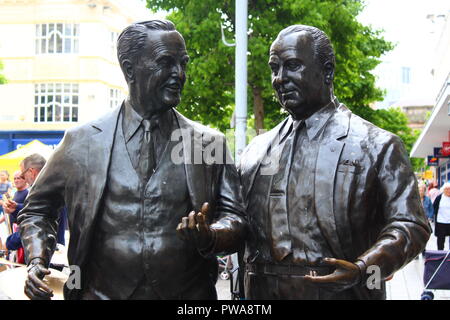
(10, 161)
(436, 129)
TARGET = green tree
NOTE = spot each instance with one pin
(2, 77)
(395, 120)
(209, 92)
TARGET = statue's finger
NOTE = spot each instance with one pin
(340, 263)
(191, 222)
(321, 279)
(205, 210)
(184, 222)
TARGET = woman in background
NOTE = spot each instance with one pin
(426, 202)
(5, 187)
(442, 215)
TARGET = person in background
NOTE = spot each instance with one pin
(30, 168)
(433, 191)
(442, 215)
(12, 207)
(5, 186)
(426, 202)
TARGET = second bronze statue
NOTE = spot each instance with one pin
(330, 197)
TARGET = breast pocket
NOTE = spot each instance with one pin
(344, 192)
(344, 185)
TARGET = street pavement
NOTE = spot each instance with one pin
(407, 283)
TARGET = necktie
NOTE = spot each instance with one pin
(280, 233)
(147, 126)
(146, 158)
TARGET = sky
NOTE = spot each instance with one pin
(405, 23)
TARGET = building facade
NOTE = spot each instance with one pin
(60, 62)
(434, 142)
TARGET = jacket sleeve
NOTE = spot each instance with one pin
(38, 218)
(230, 224)
(406, 230)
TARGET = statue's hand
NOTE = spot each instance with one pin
(195, 228)
(346, 275)
(35, 287)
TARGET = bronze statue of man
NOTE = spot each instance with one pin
(331, 199)
(142, 226)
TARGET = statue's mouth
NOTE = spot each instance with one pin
(175, 86)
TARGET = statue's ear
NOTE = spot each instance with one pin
(128, 70)
(329, 72)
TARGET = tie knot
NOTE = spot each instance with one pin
(147, 125)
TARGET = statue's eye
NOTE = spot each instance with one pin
(164, 61)
(274, 67)
(293, 65)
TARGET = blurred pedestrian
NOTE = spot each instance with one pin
(5, 187)
(442, 215)
(12, 207)
(433, 191)
(426, 202)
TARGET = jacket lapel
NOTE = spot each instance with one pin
(256, 152)
(196, 175)
(327, 163)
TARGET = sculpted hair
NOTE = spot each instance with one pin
(133, 38)
(323, 50)
(34, 161)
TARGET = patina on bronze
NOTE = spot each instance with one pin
(125, 196)
(342, 203)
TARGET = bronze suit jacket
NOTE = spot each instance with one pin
(365, 192)
(76, 174)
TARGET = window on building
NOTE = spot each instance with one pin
(113, 43)
(406, 73)
(115, 98)
(57, 38)
(56, 102)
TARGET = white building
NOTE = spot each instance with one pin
(60, 61)
(437, 129)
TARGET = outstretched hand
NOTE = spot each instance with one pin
(35, 287)
(195, 228)
(346, 275)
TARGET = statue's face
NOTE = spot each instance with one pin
(298, 79)
(160, 70)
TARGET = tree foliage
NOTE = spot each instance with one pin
(395, 120)
(2, 77)
(209, 92)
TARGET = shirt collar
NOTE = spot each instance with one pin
(132, 121)
(315, 123)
